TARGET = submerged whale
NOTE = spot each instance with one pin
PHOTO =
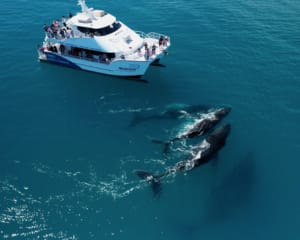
(200, 127)
(231, 195)
(202, 154)
(173, 111)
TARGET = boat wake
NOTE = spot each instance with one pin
(116, 186)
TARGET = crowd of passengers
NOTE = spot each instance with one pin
(150, 51)
(58, 29)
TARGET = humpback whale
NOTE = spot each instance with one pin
(173, 111)
(200, 127)
(202, 154)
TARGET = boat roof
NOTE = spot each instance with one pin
(96, 19)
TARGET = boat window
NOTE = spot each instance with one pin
(101, 31)
(90, 53)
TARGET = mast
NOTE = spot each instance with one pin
(85, 9)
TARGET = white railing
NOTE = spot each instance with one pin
(141, 34)
(151, 35)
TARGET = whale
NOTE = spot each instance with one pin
(202, 153)
(200, 127)
(170, 112)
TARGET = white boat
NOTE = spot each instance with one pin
(96, 41)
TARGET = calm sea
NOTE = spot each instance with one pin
(68, 150)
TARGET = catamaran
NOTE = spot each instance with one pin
(96, 41)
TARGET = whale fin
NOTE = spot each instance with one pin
(137, 118)
(153, 180)
(156, 141)
(166, 144)
(143, 174)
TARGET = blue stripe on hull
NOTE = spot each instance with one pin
(59, 60)
(54, 58)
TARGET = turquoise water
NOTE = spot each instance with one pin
(68, 151)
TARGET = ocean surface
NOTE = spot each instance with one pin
(70, 139)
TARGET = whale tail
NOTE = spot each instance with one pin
(152, 179)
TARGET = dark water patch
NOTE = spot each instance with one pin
(233, 192)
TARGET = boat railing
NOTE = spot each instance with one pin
(58, 36)
(151, 35)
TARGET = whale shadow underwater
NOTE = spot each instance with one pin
(227, 199)
(170, 112)
(233, 191)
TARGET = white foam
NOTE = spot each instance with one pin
(189, 165)
(204, 145)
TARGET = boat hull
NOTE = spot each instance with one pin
(115, 68)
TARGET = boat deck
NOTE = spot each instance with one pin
(150, 51)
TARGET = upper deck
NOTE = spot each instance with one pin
(97, 19)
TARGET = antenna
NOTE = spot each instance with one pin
(85, 9)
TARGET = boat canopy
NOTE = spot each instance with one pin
(99, 21)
